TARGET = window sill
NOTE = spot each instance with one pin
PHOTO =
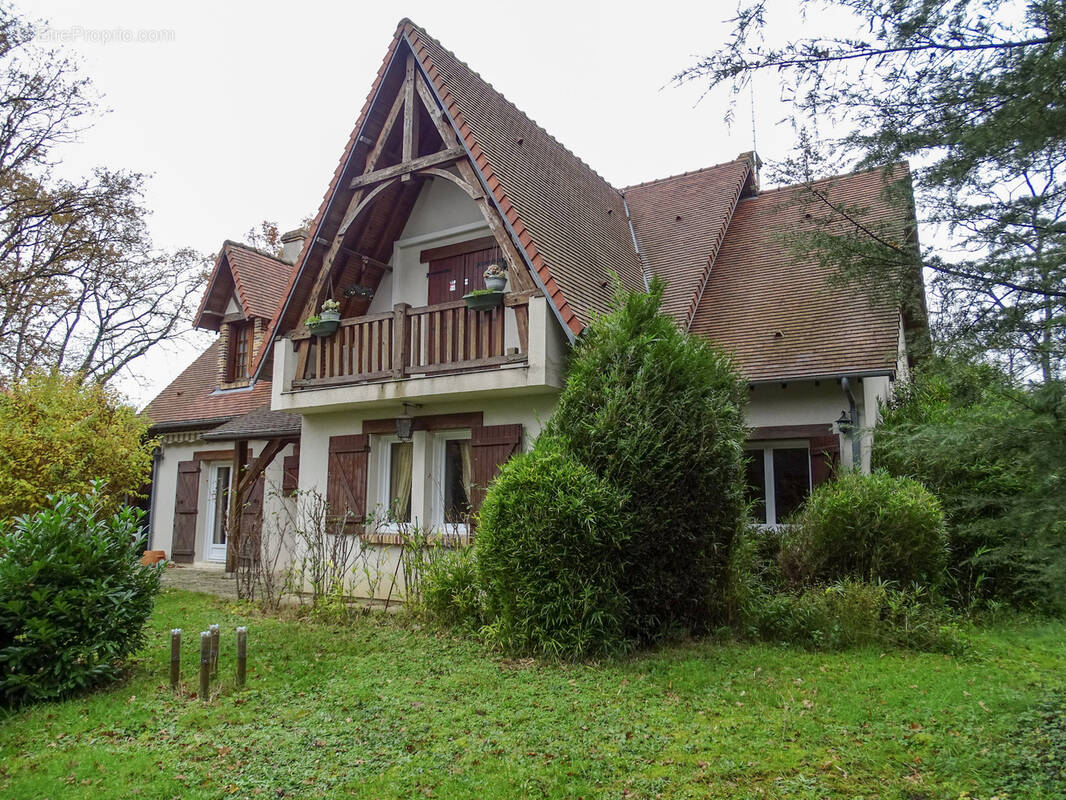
(398, 539)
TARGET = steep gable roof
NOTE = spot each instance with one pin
(257, 278)
(680, 223)
(568, 223)
(778, 312)
(570, 220)
(191, 399)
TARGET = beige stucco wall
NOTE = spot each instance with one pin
(181, 447)
(819, 403)
(442, 215)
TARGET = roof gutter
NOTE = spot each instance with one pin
(828, 376)
(570, 335)
(636, 244)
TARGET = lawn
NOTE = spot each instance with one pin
(386, 710)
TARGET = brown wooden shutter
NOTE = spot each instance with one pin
(492, 445)
(346, 477)
(825, 458)
(252, 520)
(290, 476)
(186, 501)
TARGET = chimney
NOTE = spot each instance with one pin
(292, 243)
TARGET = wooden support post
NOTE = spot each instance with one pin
(410, 116)
(205, 665)
(233, 522)
(175, 658)
(242, 654)
(214, 631)
(400, 340)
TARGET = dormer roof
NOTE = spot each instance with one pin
(256, 279)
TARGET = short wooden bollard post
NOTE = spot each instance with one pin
(214, 631)
(175, 658)
(205, 664)
(242, 654)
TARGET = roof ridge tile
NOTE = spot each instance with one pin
(697, 171)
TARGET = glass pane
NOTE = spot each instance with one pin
(218, 535)
(400, 456)
(792, 480)
(756, 476)
(456, 478)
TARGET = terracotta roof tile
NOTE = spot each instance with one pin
(261, 278)
(262, 423)
(191, 397)
(680, 222)
(575, 219)
(778, 313)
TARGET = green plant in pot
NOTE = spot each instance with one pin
(482, 299)
(326, 321)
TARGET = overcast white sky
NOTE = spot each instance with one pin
(241, 111)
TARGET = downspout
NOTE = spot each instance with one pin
(853, 411)
(157, 456)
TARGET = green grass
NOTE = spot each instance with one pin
(384, 710)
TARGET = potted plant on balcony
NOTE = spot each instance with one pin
(326, 321)
(496, 276)
(482, 299)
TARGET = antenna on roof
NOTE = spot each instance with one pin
(754, 148)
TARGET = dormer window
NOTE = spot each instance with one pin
(240, 351)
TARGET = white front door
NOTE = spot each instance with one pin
(217, 508)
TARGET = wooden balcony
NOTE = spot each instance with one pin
(412, 342)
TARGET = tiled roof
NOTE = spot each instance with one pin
(191, 398)
(262, 423)
(778, 312)
(680, 222)
(260, 278)
(571, 222)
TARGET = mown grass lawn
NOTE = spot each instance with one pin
(384, 710)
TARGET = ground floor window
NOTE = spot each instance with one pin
(453, 477)
(779, 480)
(398, 466)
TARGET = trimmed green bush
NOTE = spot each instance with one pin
(73, 597)
(550, 556)
(450, 592)
(657, 413)
(868, 527)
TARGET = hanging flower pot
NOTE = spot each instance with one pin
(483, 299)
(495, 277)
(322, 327)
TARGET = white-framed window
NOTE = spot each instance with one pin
(395, 472)
(450, 478)
(778, 478)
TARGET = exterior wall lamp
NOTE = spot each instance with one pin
(405, 423)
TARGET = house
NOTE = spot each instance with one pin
(403, 413)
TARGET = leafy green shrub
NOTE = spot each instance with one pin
(995, 455)
(868, 527)
(851, 613)
(450, 592)
(657, 413)
(61, 435)
(73, 597)
(550, 555)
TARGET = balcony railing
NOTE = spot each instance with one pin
(407, 342)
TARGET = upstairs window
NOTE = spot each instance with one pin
(240, 351)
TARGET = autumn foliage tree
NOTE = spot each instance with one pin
(60, 434)
(82, 287)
